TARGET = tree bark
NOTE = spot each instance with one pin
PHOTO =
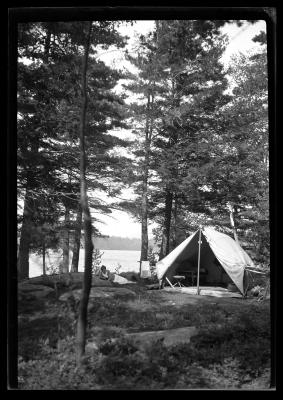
(29, 208)
(47, 43)
(77, 241)
(82, 314)
(175, 213)
(165, 244)
(173, 138)
(66, 242)
(144, 227)
(144, 202)
(25, 240)
(43, 258)
(232, 221)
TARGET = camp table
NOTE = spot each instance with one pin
(191, 275)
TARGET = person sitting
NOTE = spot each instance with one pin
(104, 274)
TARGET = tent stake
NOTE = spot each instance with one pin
(199, 244)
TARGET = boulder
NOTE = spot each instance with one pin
(97, 282)
(120, 280)
(131, 276)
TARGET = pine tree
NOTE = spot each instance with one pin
(195, 82)
(48, 124)
(82, 317)
(35, 168)
(144, 119)
(233, 180)
(180, 72)
(241, 168)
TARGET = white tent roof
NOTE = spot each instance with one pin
(229, 253)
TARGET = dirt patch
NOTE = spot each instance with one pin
(174, 298)
(178, 299)
(156, 300)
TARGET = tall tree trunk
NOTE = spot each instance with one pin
(82, 315)
(77, 241)
(144, 223)
(173, 138)
(144, 203)
(47, 44)
(175, 213)
(165, 244)
(43, 258)
(66, 242)
(29, 208)
(232, 221)
(23, 258)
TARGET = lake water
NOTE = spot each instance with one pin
(128, 259)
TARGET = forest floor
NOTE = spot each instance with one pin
(230, 351)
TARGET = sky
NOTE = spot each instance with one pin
(240, 40)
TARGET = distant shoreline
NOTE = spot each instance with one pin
(119, 243)
(127, 259)
(96, 248)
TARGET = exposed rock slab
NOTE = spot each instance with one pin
(38, 291)
(99, 292)
(73, 279)
(143, 340)
(170, 337)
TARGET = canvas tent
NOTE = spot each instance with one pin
(218, 254)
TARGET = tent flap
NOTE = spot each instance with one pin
(229, 253)
(163, 265)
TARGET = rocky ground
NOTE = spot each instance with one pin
(139, 338)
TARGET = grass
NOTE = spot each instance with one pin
(232, 349)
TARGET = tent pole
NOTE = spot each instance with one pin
(199, 244)
(169, 283)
